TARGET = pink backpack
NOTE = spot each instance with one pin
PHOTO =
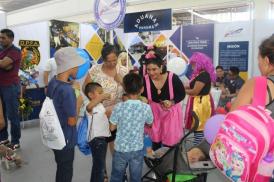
(244, 146)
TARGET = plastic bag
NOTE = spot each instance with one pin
(51, 132)
(82, 139)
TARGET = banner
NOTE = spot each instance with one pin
(63, 34)
(148, 21)
(198, 38)
(30, 59)
(234, 54)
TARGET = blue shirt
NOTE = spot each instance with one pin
(64, 101)
(130, 118)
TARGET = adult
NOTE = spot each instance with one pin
(10, 58)
(266, 66)
(246, 93)
(233, 83)
(49, 71)
(200, 100)
(123, 61)
(220, 73)
(231, 86)
(110, 76)
(164, 91)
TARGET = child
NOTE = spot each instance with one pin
(66, 105)
(129, 118)
(99, 129)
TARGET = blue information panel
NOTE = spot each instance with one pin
(234, 54)
(198, 38)
(148, 21)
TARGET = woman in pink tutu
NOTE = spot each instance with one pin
(164, 91)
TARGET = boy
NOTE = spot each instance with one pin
(129, 118)
(99, 129)
(66, 105)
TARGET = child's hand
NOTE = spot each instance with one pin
(105, 96)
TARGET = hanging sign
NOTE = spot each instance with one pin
(148, 21)
(109, 14)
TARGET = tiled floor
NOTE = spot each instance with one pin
(40, 166)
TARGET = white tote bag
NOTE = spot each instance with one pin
(51, 132)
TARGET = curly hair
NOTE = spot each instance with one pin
(202, 63)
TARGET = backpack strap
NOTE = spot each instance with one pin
(170, 86)
(260, 90)
(268, 89)
(148, 88)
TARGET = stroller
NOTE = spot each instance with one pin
(172, 165)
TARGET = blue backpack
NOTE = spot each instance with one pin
(82, 139)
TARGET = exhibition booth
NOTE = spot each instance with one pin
(228, 44)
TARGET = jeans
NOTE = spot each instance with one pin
(99, 150)
(9, 96)
(64, 160)
(119, 164)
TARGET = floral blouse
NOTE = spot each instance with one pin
(108, 83)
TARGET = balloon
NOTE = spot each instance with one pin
(83, 69)
(177, 65)
(212, 127)
(221, 110)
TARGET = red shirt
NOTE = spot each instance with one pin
(10, 77)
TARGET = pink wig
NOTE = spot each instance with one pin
(202, 63)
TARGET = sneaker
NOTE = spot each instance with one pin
(4, 142)
(14, 147)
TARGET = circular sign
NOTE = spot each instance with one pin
(109, 13)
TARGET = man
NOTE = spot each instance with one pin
(220, 76)
(10, 58)
(49, 71)
(232, 85)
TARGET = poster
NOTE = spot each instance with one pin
(198, 38)
(63, 34)
(30, 59)
(234, 54)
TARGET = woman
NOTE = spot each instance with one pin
(110, 76)
(199, 87)
(164, 91)
(266, 66)
(124, 62)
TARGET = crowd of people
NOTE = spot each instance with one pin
(123, 104)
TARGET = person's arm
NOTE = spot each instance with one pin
(2, 120)
(179, 90)
(114, 118)
(198, 86)
(46, 78)
(112, 127)
(70, 106)
(149, 115)
(92, 103)
(87, 80)
(6, 63)
(244, 96)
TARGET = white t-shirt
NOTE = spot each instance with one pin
(98, 122)
(51, 67)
